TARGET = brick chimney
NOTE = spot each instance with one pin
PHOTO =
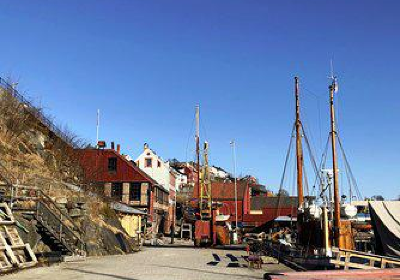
(118, 148)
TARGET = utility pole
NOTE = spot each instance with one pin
(336, 197)
(233, 144)
(173, 221)
(299, 150)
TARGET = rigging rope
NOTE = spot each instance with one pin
(322, 164)
(284, 169)
(348, 181)
(313, 162)
(307, 191)
(318, 99)
(358, 193)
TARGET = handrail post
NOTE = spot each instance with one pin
(37, 208)
(346, 260)
(383, 263)
(61, 226)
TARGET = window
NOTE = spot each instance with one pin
(159, 195)
(148, 162)
(134, 191)
(166, 198)
(116, 190)
(112, 164)
(162, 196)
(158, 164)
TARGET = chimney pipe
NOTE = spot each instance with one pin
(118, 148)
(112, 146)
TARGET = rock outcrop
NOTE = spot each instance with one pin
(34, 156)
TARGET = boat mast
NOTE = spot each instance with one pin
(336, 198)
(299, 150)
(198, 152)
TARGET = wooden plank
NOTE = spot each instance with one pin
(338, 274)
(371, 258)
(18, 254)
(372, 263)
(338, 256)
(74, 258)
(347, 261)
(367, 255)
(28, 254)
(352, 265)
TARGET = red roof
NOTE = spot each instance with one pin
(95, 165)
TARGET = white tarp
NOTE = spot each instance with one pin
(385, 218)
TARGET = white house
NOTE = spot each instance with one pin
(160, 170)
(218, 172)
(181, 178)
(155, 167)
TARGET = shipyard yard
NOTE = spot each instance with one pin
(206, 139)
(156, 263)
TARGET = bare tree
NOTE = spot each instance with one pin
(13, 114)
(23, 123)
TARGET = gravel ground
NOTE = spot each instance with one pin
(155, 263)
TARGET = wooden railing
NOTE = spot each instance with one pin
(356, 259)
(55, 220)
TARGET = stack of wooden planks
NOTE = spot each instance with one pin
(14, 253)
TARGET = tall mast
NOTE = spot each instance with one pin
(205, 193)
(336, 198)
(299, 150)
(198, 149)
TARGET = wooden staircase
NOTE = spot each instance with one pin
(57, 228)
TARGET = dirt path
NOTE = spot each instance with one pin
(154, 263)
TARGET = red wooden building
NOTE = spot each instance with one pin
(256, 205)
(121, 180)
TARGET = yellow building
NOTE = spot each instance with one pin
(131, 219)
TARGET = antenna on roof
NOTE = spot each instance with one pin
(332, 72)
(97, 128)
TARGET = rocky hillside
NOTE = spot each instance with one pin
(36, 155)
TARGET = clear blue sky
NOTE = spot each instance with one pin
(146, 64)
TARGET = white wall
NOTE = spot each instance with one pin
(158, 173)
(181, 179)
(218, 173)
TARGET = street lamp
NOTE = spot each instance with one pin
(233, 145)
